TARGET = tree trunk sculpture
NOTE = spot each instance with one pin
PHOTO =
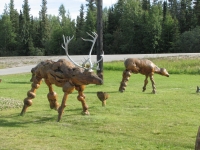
(69, 76)
(143, 66)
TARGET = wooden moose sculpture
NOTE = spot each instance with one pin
(63, 74)
(143, 66)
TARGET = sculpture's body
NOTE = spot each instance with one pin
(143, 66)
(63, 74)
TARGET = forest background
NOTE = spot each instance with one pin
(129, 27)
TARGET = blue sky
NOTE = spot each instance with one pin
(73, 6)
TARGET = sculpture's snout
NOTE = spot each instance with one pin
(100, 82)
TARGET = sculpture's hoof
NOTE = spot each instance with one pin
(121, 91)
(85, 113)
(21, 114)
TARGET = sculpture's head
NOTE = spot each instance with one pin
(164, 72)
(82, 76)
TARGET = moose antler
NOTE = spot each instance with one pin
(88, 60)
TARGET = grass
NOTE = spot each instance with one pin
(174, 65)
(133, 120)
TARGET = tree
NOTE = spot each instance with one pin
(80, 32)
(7, 35)
(44, 26)
(152, 28)
(131, 28)
(7, 38)
(80, 22)
(189, 41)
(197, 11)
(146, 4)
(14, 17)
(25, 31)
(170, 33)
(90, 24)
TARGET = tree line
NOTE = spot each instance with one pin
(129, 27)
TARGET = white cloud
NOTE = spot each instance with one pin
(73, 6)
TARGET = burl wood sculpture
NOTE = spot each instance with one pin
(63, 74)
(143, 66)
(197, 142)
(103, 96)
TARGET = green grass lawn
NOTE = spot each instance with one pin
(133, 120)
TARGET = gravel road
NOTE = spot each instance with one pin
(23, 64)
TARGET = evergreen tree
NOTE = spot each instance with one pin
(173, 8)
(80, 32)
(170, 33)
(109, 29)
(80, 22)
(189, 41)
(131, 27)
(15, 25)
(145, 4)
(62, 14)
(54, 43)
(152, 28)
(197, 11)
(25, 34)
(185, 16)
(7, 38)
(44, 27)
(90, 24)
(14, 17)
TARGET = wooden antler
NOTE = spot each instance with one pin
(65, 47)
(88, 60)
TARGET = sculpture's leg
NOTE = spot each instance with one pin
(81, 98)
(52, 96)
(125, 77)
(68, 88)
(145, 83)
(31, 94)
(153, 84)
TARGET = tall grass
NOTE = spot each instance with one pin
(174, 65)
(133, 120)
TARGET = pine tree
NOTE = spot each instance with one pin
(7, 35)
(14, 15)
(44, 26)
(14, 18)
(80, 32)
(80, 22)
(25, 34)
(197, 11)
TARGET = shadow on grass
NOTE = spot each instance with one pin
(19, 82)
(102, 91)
(17, 120)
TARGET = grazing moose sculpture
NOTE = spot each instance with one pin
(63, 74)
(143, 66)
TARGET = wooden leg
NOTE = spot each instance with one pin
(145, 83)
(52, 96)
(31, 94)
(197, 143)
(125, 77)
(81, 98)
(68, 88)
(153, 84)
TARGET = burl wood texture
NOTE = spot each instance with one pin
(63, 74)
(142, 66)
